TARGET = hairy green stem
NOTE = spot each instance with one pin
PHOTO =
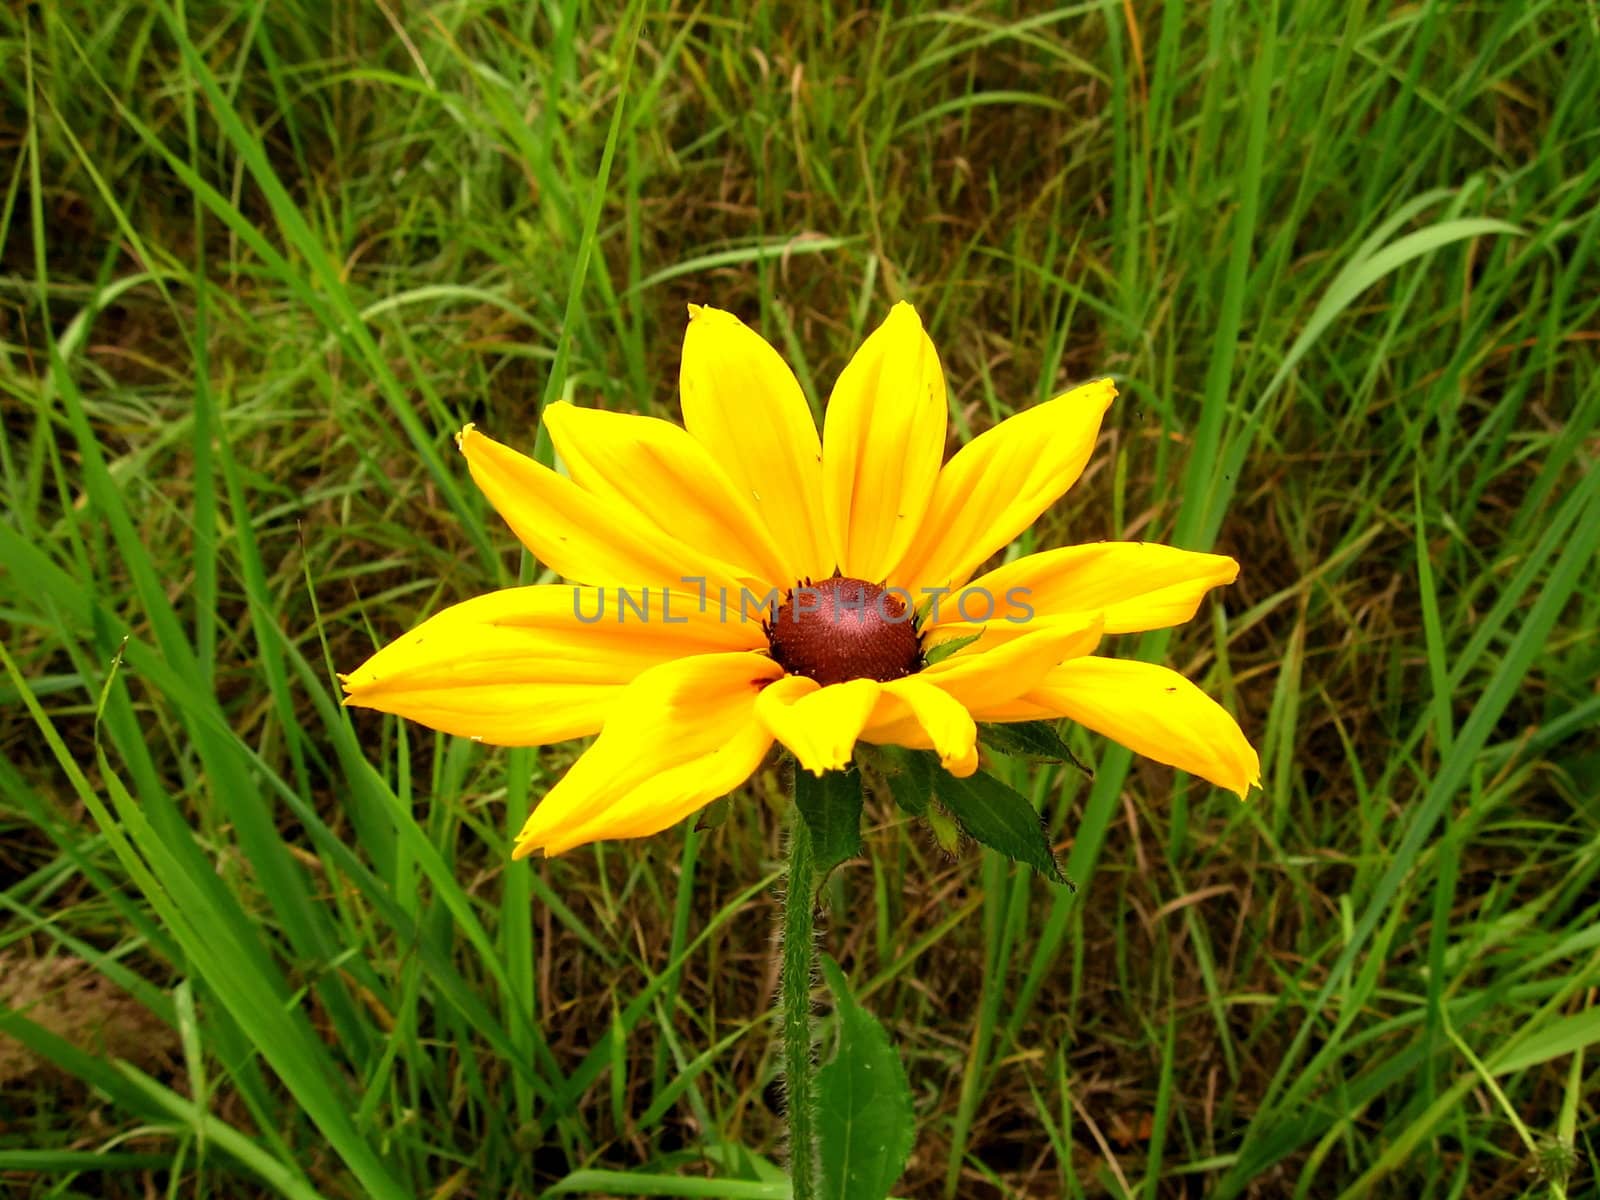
(794, 986)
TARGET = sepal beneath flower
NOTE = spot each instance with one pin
(714, 815)
(982, 807)
(943, 650)
(945, 830)
(998, 816)
(909, 774)
(830, 805)
(1037, 740)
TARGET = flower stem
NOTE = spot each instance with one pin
(794, 986)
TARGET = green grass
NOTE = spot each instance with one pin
(257, 265)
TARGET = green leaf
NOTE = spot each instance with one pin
(910, 778)
(1030, 739)
(831, 806)
(945, 649)
(590, 1182)
(1565, 1035)
(865, 1123)
(945, 831)
(714, 814)
(1000, 818)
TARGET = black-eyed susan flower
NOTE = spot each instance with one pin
(738, 580)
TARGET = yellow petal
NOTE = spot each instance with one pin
(883, 438)
(682, 734)
(999, 483)
(1138, 585)
(742, 403)
(661, 472)
(1008, 660)
(584, 537)
(818, 724)
(530, 665)
(1154, 712)
(913, 712)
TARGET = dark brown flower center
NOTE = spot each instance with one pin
(840, 629)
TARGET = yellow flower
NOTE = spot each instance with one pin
(738, 580)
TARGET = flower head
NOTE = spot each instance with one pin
(739, 580)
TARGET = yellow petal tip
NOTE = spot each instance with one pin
(961, 765)
(467, 431)
(1250, 776)
(707, 315)
(353, 687)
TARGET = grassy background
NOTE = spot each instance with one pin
(260, 261)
